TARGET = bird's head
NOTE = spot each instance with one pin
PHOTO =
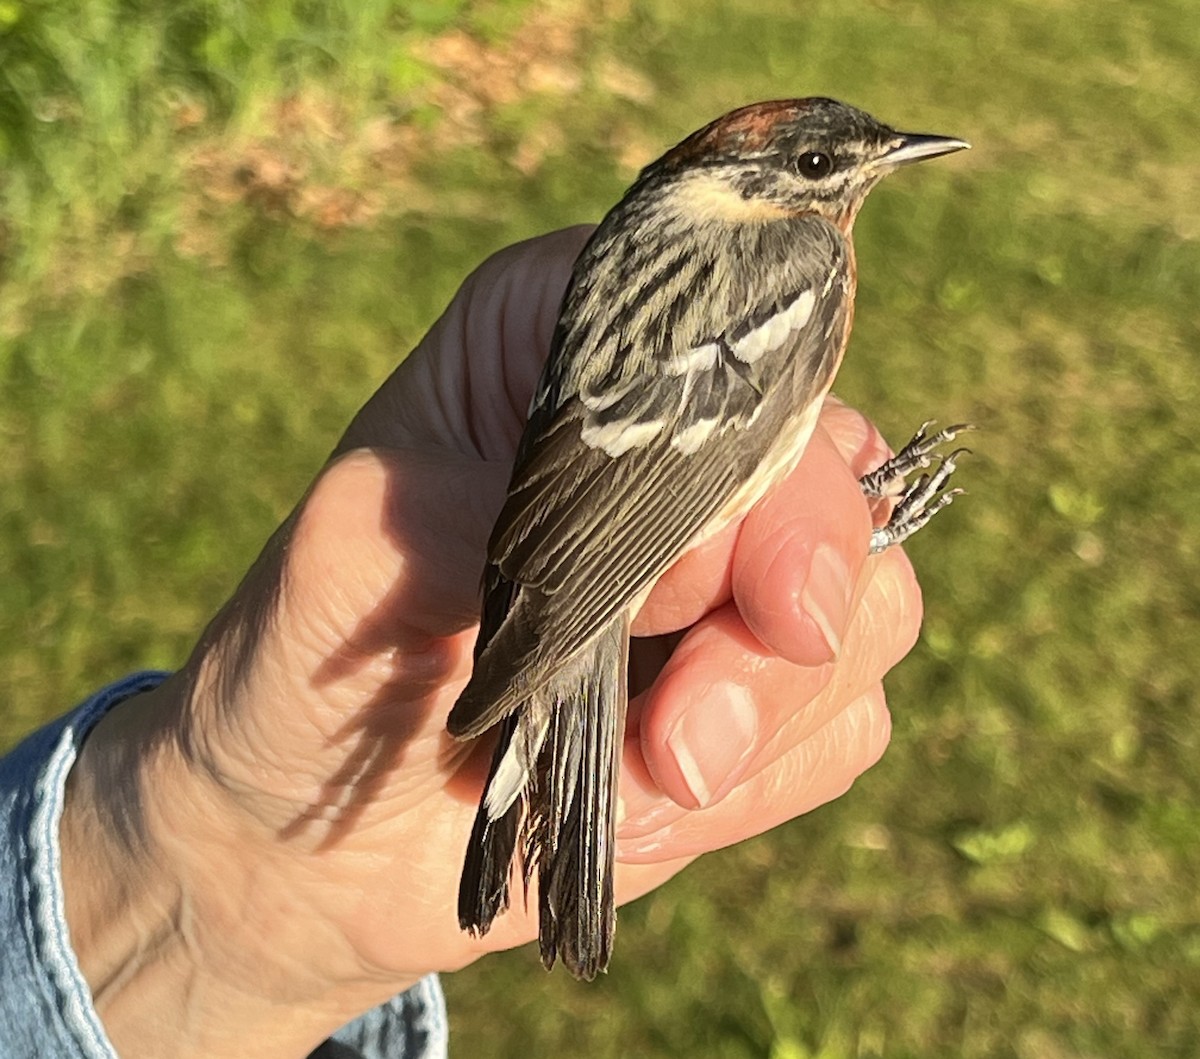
(787, 157)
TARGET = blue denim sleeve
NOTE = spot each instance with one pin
(45, 1005)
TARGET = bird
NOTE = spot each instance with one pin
(701, 328)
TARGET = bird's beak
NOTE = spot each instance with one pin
(917, 146)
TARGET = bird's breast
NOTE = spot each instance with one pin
(780, 459)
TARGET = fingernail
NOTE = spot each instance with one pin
(826, 596)
(713, 741)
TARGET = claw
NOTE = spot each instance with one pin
(917, 501)
(888, 478)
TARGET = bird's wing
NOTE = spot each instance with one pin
(615, 480)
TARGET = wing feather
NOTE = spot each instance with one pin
(586, 528)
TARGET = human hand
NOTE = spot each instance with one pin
(293, 788)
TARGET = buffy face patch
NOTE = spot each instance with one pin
(707, 198)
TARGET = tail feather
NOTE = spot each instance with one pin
(483, 891)
(502, 677)
(565, 821)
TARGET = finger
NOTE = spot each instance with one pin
(724, 705)
(822, 500)
(509, 313)
(819, 769)
(799, 554)
(822, 768)
(468, 383)
(858, 439)
(861, 445)
(698, 583)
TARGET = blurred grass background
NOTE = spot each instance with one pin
(222, 223)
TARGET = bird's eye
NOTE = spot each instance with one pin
(814, 165)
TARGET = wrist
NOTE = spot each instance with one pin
(161, 886)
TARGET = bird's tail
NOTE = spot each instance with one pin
(551, 794)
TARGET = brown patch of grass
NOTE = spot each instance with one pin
(317, 161)
(328, 162)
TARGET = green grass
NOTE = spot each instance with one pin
(1017, 877)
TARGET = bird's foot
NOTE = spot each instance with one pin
(917, 501)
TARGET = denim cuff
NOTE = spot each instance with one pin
(45, 1004)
